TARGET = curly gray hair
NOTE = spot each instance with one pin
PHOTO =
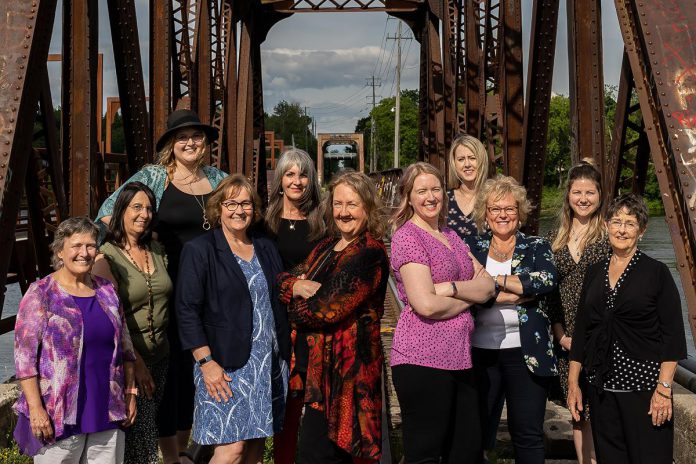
(66, 229)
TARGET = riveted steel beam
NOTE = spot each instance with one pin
(659, 40)
(129, 75)
(511, 87)
(160, 68)
(79, 104)
(25, 35)
(542, 48)
(586, 81)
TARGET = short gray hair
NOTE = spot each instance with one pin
(66, 229)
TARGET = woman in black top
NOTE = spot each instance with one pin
(295, 220)
(628, 338)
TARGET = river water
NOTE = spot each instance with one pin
(656, 242)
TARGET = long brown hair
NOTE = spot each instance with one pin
(404, 211)
(596, 230)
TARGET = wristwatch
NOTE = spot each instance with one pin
(204, 360)
(454, 289)
(664, 384)
(497, 286)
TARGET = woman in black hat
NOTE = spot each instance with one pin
(181, 183)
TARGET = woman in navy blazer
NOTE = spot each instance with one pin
(512, 342)
(230, 318)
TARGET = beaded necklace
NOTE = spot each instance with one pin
(148, 281)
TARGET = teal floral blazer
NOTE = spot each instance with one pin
(532, 262)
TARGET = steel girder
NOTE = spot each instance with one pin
(25, 32)
(659, 41)
(536, 111)
(586, 81)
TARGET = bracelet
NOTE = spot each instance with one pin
(665, 384)
(505, 282)
(204, 360)
(454, 289)
(560, 342)
(669, 397)
(131, 391)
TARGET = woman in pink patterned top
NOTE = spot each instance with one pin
(431, 351)
(73, 358)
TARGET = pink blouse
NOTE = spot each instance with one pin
(441, 344)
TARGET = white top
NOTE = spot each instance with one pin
(497, 327)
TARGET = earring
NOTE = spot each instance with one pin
(640, 238)
(281, 193)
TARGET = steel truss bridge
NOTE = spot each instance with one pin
(206, 55)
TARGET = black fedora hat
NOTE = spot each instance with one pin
(181, 119)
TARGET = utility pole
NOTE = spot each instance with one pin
(373, 129)
(397, 116)
(306, 140)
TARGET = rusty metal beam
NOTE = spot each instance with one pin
(511, 87)
(659, 44)
(259, 132)
(229, 123)
(450, 23)
(38, 240)
(53, 154)
(80, 145)
(202, 92)
(160, 68)
(586, 81)
(542, 47)
(25, 36)
(244, 101)
(473, 59)
(129, 75)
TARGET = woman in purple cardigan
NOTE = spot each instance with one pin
(73, 358)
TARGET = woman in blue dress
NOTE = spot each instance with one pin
(230, 318)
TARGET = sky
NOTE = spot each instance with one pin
(324, 61)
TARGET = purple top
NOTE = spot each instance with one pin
(442, 344)
(49, 317)
(93, 392)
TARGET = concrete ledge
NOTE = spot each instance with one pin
(685, 420)
(9, 392)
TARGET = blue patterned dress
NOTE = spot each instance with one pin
(257, 407)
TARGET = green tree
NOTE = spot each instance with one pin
(290, 120)
(558, 141)
(384, 131)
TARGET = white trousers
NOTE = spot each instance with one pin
(105, 447)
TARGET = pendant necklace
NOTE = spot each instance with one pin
(499, 255)
(292, 224)
(148, 282)
(201, 203)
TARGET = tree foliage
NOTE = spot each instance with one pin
(384, 114)
(289, 120)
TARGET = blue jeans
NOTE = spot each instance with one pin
(503, 373)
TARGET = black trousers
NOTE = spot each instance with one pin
(504, 372)
(314, 445)
(623, 432)
(439, 413)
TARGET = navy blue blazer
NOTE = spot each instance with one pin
(213, 302)
(532, 262)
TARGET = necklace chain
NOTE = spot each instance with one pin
(500, 255)
(201, 203)
(148, 282)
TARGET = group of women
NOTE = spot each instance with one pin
(190, 308)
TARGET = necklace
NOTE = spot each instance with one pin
(500, 255)
(201, 203)
(292, 223)
(148, 281)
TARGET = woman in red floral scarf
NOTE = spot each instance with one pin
(337, 295)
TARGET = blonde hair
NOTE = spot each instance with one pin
(365, 188)
(495, 189)
(404, 211)
(596, 229)
(477, 148)
(230, 187)
(167, 159)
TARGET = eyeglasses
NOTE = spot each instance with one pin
(629, 225)
(233, 205)
(138, 208)
(496, 210)
(183, 138)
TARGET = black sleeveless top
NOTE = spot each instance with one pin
(292, 242)
(179, 219)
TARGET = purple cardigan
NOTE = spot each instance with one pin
(48, 344)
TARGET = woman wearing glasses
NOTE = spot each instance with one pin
(513, 346)
(181, 183)
(136, 265)
(231, 319)
(628, 337)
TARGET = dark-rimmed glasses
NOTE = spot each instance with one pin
(232, 205)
